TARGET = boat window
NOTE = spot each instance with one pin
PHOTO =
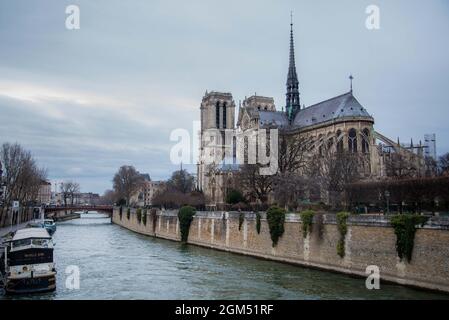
(21, 243)
(40, 242)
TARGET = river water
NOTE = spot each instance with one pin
(115, 263)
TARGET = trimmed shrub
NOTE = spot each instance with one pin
(139, 215)
(258, 223)
(307, 220)
(234, 197)
(185, 216)
(405, 228)
(144, 217)
(276, 218)
(128, 213)
(120, 212)
(342, 218)
(153, 217)
(241, 220)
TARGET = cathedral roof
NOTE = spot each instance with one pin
(343, 106)
(277, 118)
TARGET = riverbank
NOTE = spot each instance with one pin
(7, 217)
(368, 241)
(5, 230)
(117, 263)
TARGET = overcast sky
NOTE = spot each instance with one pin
(87, 101)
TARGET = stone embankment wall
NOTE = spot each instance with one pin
(370, 240)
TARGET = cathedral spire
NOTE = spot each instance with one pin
(293, 104)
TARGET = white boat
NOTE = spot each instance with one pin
(28, 262)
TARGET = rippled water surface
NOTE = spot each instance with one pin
(116, 263)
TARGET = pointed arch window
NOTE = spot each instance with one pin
(234, 150)
(217, 115)
(224, 115)
(352, 140)
(339, 141)
(365, 141)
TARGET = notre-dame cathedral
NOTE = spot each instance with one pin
(340, 121)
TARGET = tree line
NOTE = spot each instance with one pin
(21, 176)
(177, 191)
(320, 174)
(308, 175)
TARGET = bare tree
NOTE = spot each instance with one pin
(255, 186)
(182, 181)
(400, 166)
(74, 189)
(431, 167)
(69, 190)
(289, 183)
(289, 189)
(330, 171)
(21, 177)
(127, 181)
(171, 198)
(109, 197)
(292, 153)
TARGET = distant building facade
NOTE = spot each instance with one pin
(144, 196)
(87, 198)
(44, 193)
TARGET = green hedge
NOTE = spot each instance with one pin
(276, 218)
(307, 220)
(139, 215)
(241, 220)
(342, 218)
(144, 217)
(258, 222)
(405, 228)
(185, 216)
(128, 213)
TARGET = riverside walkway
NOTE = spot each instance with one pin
(5, 230)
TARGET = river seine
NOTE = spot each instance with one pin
(115, 263)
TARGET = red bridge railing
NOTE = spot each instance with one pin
(102, 208)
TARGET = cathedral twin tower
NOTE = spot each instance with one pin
(218, 108)
(218, 113)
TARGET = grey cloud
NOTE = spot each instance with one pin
(160, 57)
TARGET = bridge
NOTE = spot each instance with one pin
(59, 213)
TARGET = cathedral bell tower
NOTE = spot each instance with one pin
(217, 116)
(292, 104)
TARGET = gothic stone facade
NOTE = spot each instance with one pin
(341, 120)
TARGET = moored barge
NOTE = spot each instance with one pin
(28, 262)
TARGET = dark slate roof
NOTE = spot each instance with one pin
(145, 176)
(343, 106)
(277, 118)
(229, 167)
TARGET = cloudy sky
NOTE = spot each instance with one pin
(87, 101)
